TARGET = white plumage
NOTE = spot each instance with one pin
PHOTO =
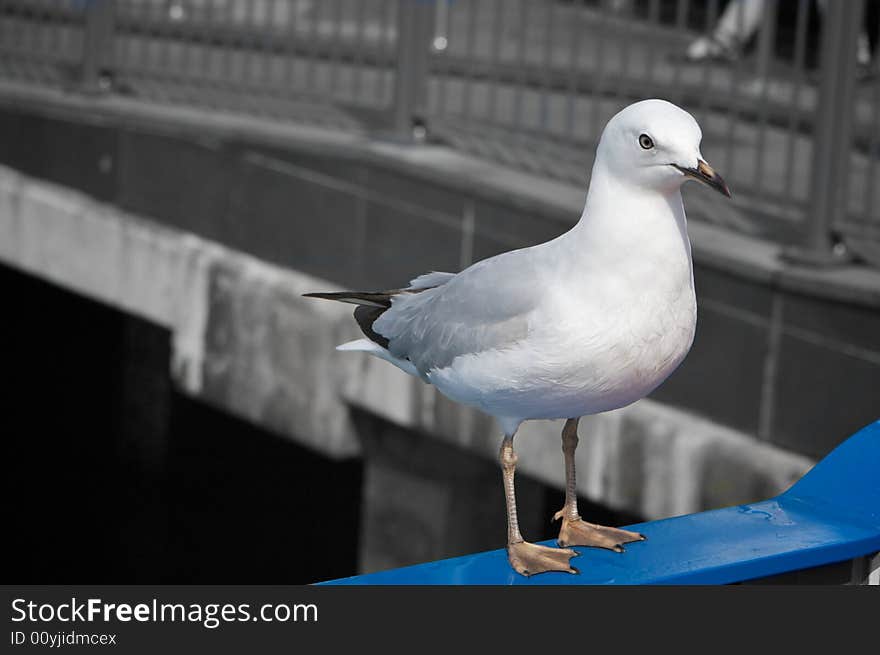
(588, 322)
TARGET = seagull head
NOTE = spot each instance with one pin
(654, 144)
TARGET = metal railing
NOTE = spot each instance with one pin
(793, 120)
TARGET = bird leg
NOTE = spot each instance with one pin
(575, 531)
(526, 558)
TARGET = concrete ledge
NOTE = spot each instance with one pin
(245, 340)
(239, 328)
(751, 257)
(785, 353)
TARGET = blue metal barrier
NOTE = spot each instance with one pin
(830, 515)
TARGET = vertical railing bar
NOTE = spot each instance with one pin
(471, 58)
(573, 90)
(518, 87)
(76, 33)
(767, 39)
(595, 118)
(800, 66)
(828, 203)
(335, 47)
(207, 38)
(873, 150)
(28, 29)
(39, 30)
(267, 48)
(55, 49)
(415, 27)
(227, 49)
(682, 10)
(312, 55)
(280, 47)
(33, 59)
(497, 25)
(711, 19)
(166, 28)
(495, 84)
(35, 37)
(66, 27)
(9, 49)
(442, 83)
(192, 38)
(653, 19)
(187, 43)
(97, 38)
(127, 47)
(246, 75)
(622, 80)
(360, 41)
(47, 53)
(548, 67)
(157, 52)
(290, 48)
(19, 40)
(63, 31)
(275, 49)
(61, 35)
(261, 47)
(43, 37)
(207, 41)
(4, 18)
(733, 89)
(33, 40)
(387, 48)
(142, 61)
(873, 154)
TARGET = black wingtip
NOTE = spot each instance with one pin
(381, 299)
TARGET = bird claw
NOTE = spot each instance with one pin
(580, 533)
(529, 559)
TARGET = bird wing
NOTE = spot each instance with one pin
(486, 306)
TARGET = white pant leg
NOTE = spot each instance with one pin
(739, 21)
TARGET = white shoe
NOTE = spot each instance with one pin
(710, 48)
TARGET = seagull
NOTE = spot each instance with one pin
(588, 322)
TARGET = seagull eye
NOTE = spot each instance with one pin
(646, 142)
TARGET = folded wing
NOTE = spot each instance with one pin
(484, 307)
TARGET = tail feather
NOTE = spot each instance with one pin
(371, 305)
(372, 348)
(380, 299)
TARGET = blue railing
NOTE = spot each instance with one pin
(830, 515)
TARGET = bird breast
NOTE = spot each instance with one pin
(600, 340)
(633, 341)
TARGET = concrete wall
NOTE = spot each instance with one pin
(245, 340)
(787, 354)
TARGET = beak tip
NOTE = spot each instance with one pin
(707, 174)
